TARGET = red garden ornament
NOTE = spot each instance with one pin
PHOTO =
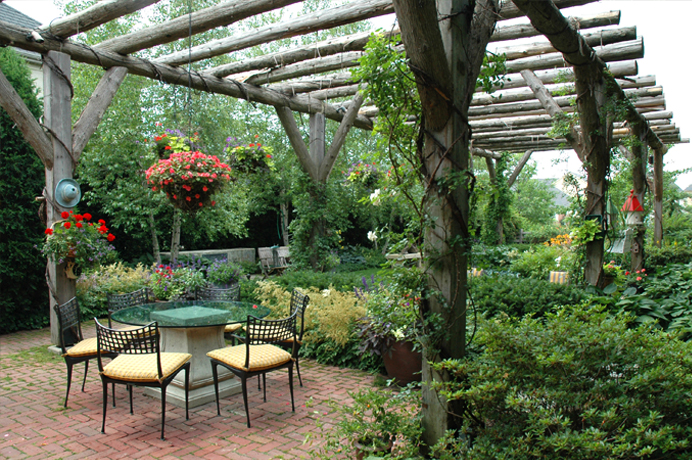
(634, 209)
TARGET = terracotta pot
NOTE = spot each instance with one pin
(402, 363)
(364, 450)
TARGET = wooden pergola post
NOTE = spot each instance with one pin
(58, 120)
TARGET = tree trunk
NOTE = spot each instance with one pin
(154, 239)
(175, 236)
(284, 222)
(639, 184)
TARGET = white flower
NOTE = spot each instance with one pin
(326, 292)
(375, 197)
(557, 260)
(372, 236)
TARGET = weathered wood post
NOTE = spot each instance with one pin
(57, 102)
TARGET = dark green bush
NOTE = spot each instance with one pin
(579, 384)
(308, 278)
(24, 299)
(667, 254)
(325, 351)
(494, 294)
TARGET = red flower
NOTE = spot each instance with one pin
(201, 204)
(67, 224)
(79, 225)
(627, 273)
(103, 229)
(78, 217)
(213, 203)
(188, 198)
(251, 145)
(168, 147)
(254, 306)
(48, 231)
(205, 188)
(87, 217)
(197, 196)
(157, 138)
(102, 222)
(64, 214)
(256, 136)
(110, 237)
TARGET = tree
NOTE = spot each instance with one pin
(24, 300)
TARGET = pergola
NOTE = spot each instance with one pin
(314, 79)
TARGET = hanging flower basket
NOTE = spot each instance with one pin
(251, 158)
(189, 179)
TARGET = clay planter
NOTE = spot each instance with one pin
(402, 363)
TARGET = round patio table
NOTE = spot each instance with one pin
(195, 327)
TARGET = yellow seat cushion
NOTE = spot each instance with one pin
(261, 357)
(233, 327)
(86, 347)
(143, 368)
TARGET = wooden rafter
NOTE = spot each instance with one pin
(320, 20)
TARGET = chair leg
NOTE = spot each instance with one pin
(264, 384)
(243, 383)
(163, 410)
(114, 395)
(129, 388)
(187, 391)
(259, 385)
(215, 373)
(290, 385)
(86, 371)
(105, 406)
(298, 371)
(69, 381)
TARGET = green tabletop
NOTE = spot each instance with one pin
(190, 313)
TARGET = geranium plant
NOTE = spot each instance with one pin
(250, 158)
(172, 283)
(189, 179)
(79, 240)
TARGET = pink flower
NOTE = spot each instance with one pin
(639, 278)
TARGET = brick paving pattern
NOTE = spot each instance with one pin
(34, 424)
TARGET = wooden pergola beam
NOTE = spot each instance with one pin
(25, 121)
(320, 20)
(11, 33)
(200, 21)
(94, 16)
(315, 84)
(515, 31)
(355, 42)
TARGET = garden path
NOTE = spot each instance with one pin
(33, 423)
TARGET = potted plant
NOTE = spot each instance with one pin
(249, 158)
(612, 274)
(378, 423)
(223, 273)
(389, 330)
(189, 179)
(175, 283)
(78, 242)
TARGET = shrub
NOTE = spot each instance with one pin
(223, 273)
(24, 299)
(95, 284)
(540, 261)
(301, 278)
(668, 253)
(581, 384)
(516, 297)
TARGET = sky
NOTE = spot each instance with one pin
(663, 25)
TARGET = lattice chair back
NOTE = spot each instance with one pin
(119, 301)
(69, 323)
(269, 332)
(299, 303)
(141, 341)
(222, 294)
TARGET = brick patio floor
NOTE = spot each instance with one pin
(34, 424)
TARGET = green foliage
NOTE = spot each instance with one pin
(300, 278)
(579, 384)
(497, 208)
(501, 294)
(224, 273)
(372, 422)
(540, 260)
(24, 299)
(668, 253)
(172, 283)
(94, 285)
(664, 298)
(496, 257)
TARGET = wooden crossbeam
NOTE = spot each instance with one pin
(203, 20)
(319, 20)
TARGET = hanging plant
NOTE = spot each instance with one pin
(250, 158)
(189, 179)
